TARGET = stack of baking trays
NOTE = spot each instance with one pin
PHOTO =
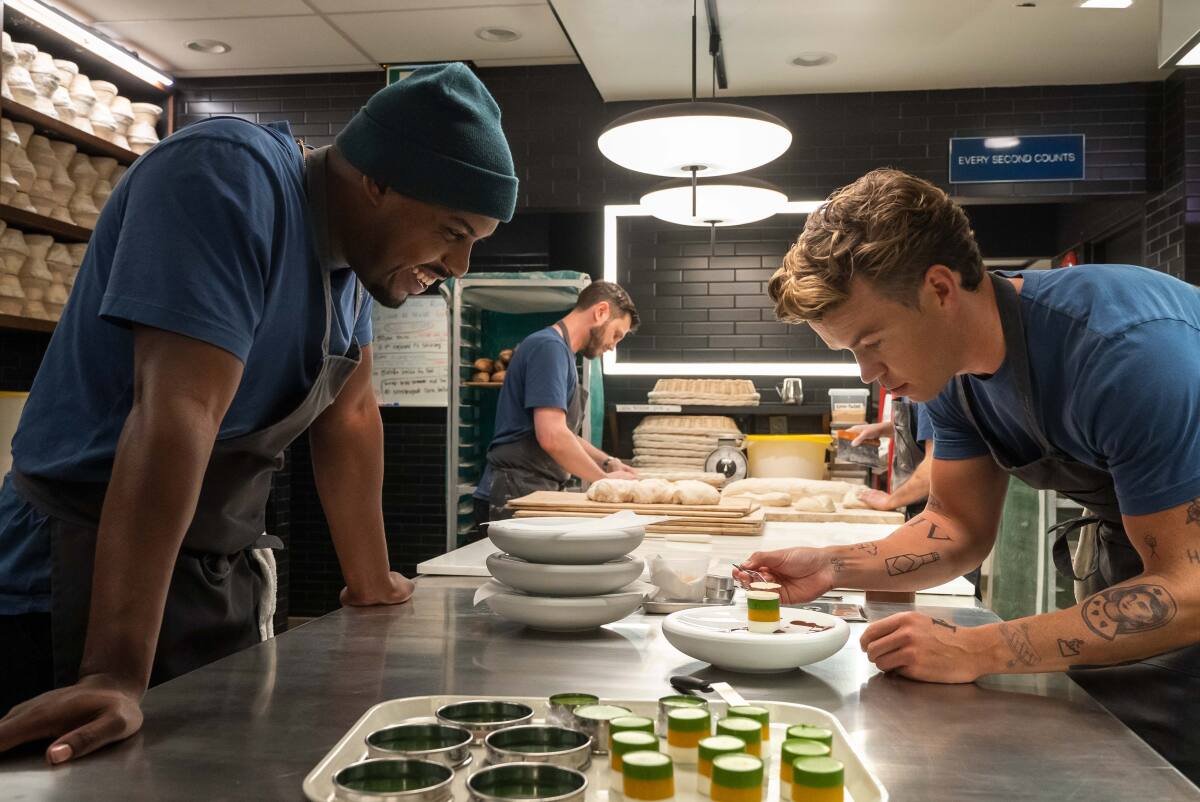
(679, 442)
(705, 392)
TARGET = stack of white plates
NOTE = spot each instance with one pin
(564, 580)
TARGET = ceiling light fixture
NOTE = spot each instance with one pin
(694, 138)
(814, 59)
(69, 29)
(493, 33)
(722, 201)
(1001, 142)
(1106, 4)
(1191, 58)
(211, 46)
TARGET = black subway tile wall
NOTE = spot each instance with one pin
(553, 115)
(706, 301)
(413, 505)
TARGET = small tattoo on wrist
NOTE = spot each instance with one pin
(837, 564)
(869, 548)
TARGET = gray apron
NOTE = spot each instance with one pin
(212, 603)
(907, 453)
(523, 467)
(1159, 697)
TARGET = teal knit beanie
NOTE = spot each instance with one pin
(435, 136)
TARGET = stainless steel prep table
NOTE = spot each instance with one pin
(251, 726)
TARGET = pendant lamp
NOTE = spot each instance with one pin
(722, 201)
(696, 138)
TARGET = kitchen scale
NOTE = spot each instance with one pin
(727, 459)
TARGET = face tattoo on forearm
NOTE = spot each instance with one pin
(1128, 610)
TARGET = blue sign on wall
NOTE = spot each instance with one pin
(975, 160)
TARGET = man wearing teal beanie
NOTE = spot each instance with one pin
(217, 316)
(435, 140)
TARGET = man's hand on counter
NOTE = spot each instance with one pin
(96, 711)
(621, 473)
(877, 500)
(804, 573)
(927, 649)
(398, 590)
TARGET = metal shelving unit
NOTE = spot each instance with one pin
(465, 453)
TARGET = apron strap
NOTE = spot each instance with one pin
(1061, 550)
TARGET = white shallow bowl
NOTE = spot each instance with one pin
(564, 580)
(542, 540)
(559, 614)
(703, 633)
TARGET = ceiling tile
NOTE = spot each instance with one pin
(258, 43)
(449, 34)
(124, 10)
(641, 50)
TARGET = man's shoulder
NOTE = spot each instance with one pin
(1109, 300)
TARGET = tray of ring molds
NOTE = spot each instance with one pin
(499, 748)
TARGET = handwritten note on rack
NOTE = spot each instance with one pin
(411, 353)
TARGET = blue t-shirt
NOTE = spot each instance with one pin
(1114, 355)
(542, 374)
(924, 425)
(208, 235)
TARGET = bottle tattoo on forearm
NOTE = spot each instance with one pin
(907, 563)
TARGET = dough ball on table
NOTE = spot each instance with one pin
(814, 504)
(852, 500)
(484, 365)
(499, 375)
(653, 491)
(770, 499)
(481, 377)
(612, 491)
(690, 491)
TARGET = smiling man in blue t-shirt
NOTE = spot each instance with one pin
(219, 313)
(1084, 380)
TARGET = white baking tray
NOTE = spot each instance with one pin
(861, 783)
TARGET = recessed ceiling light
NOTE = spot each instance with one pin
(211, 46)
(1106, 4)
(814, 59)
(495, 34)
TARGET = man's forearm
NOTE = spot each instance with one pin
(567, 450)
(594, 454)
(1144, 616)
(159, 466)
(928, 550)
(347, 461)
